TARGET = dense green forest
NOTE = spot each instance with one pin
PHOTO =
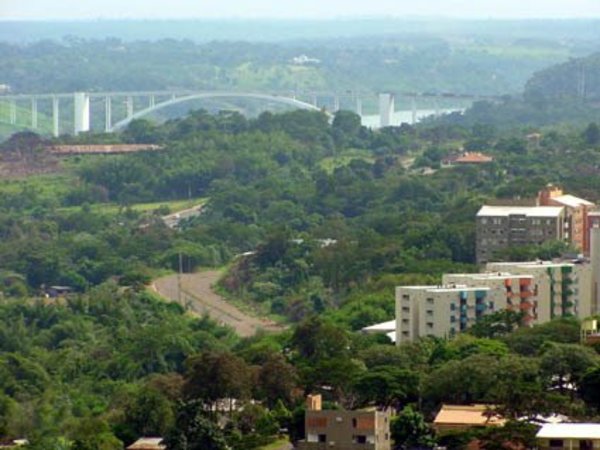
(398, 62)
(316, 221)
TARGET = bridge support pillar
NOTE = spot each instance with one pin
(34, 113)
(413, 102)
(13, 112)
(107, 114)
(359, 106)
(55, 117)
(336, 103)
(386, 109)
(315, 100)
(82, 112)
(129, 104)
(151, 101)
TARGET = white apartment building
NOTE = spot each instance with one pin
(440, 311)
(541, 290)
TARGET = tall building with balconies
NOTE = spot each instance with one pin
(440, 311)
(562, 289)
(508, 291)
(542, 291)
(576, 215)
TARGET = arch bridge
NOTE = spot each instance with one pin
(134, 105)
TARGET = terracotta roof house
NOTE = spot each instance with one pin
(462, 417)
(148, 443)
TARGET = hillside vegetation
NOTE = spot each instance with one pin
(316, 222)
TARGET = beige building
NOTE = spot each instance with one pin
(576, 214)
(440, 311)
(500, 227)
(569, 436)
(561, 289)
(344, 430)
(541, 290)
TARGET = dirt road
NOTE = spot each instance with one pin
(197, 292)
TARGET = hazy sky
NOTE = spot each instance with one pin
(90, 9)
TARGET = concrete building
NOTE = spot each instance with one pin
(542, 290)
(344, 430)
(500, 227)
(440, 311)
(569, 436)
(576, 214)
(561, 289)
(510, 291)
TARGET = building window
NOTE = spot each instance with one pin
(322, 438)
(354, 423)
(556, 443)
(429, 300)
(586, 444)
(361, 439)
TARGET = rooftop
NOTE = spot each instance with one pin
(571, 201)
(473, 158)
(570, 430)
(451, 287)
(470, 415)
(148, 443)
(381, 327)
(533, 264)
(528, 211)
(494, 275)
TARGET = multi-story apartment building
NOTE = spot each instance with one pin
(344, 430)
(500, 227)
(541, 290)
(510, 291)
(440, 311)
(561, 288)
(576, 215)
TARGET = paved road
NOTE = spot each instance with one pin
(196, 291)
(173, 220)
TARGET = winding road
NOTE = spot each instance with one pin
(197, 292)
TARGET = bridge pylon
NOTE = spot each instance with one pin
(82, 112)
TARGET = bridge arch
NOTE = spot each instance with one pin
(173, 101)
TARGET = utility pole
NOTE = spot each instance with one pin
(179, 279)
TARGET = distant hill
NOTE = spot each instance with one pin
(578, 77)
